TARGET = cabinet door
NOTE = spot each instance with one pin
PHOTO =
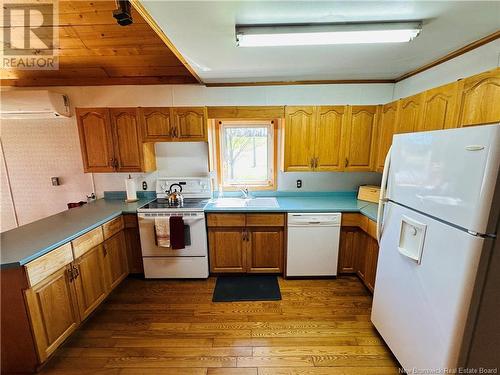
(409, 114)
(265, 250)
(360, 138)
(90, 283)
(439, 108)
(115, 260)
(360, 258)
(386, 124)
(53, 311)
(127, 138)
(157, 124)
(299, 139)
(347, 250)
(371, 262)
(227, 250)
(96, 139)
(480, 98)
(190, 123)
(133, 243)
(328, 135)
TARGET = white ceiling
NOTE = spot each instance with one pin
(203, 31)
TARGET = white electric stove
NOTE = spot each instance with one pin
(192, 260)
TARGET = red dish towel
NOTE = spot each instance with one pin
(177, 240)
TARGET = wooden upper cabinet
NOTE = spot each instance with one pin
(299, 139)
(328, 138)
(157, 124)
(480, 99)
(190, 123)
(387, 122)
(96, 139)
(409, 114)
(360, 138)
(53, 311)
(111, 141)
(128, 144)
(438, 109)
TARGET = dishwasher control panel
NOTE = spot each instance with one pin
(318, 218)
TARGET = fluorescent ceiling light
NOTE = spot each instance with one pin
(304, 35)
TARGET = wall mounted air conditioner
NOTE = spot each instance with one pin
(33, 104)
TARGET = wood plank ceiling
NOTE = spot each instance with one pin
(95, 50)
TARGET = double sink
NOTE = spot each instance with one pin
(246, 202)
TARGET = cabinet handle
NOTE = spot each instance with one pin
(316, 162)
(176, 130)
(346, 162)
(77, 272)
(70, 274)
(171, 132)
(105, 251)
(312, 162)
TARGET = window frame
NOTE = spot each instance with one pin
(273, 152)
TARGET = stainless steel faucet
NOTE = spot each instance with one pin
(245, 192)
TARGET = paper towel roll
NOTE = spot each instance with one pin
(130, 188)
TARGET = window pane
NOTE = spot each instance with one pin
(245, 155)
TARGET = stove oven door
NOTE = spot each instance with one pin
(195, 234)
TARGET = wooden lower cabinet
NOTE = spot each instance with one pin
(53, 311)
(265, 250)
(90, 282)
(358, 254)
(115, 260)
(133, 244)
(251, 243)
(227, 250)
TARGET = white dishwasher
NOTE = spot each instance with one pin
(313, 244)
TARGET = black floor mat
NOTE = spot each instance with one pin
(246, 288)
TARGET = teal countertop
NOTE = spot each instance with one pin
(308, 202)
(28, 242)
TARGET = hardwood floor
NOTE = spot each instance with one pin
(172, 327)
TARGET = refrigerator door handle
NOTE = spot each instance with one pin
(382, 199)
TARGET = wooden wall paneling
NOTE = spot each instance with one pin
(480, 99)
(246, 112)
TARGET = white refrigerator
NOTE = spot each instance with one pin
(437, 292)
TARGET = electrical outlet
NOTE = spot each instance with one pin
(299, 184)
(144, 185)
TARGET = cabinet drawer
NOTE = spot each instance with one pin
(112, 227)
(226, 220)
(87, 241)
(265, 220)
(38, 269)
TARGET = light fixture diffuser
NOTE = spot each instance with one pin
(325, 34)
